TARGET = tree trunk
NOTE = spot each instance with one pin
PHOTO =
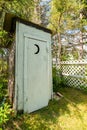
(81, 35)
(59, 48)
(81, 54)
(11, 70)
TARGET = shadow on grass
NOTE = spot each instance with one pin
(74, 95)
(48, 117)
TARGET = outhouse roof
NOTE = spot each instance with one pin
(10, 23)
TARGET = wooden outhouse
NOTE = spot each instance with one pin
(30, 86)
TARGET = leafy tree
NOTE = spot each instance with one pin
(65, 15)
(27, 9)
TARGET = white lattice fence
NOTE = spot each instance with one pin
(75, 73)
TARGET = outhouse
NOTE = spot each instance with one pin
(30, 64)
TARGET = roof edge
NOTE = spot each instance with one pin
(10, 23)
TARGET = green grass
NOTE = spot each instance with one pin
(69, 113)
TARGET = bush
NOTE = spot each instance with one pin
(58, 79)
(5, 113)
(5, 108)
(3, 90)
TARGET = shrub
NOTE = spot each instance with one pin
(58, 79)
(5, 113)
(3, 90)
(63, 82)
(5, 108)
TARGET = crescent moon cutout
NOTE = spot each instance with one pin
(38, 49)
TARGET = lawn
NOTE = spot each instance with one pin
(68, 113)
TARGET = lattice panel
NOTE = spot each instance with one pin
(74, 82)
(73, 69)
(75, 73)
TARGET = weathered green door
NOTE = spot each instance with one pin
(36, 90)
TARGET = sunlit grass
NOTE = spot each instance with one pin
(69, 113)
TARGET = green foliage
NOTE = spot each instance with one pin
(5, 113)
(22, 8)
(5, 108)
(3, 66)
(3, 89)
(72, 56)
(64, 14)
(58, 79)
(75, 55)
(3, 77)
(64, 57)
(5, 38)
